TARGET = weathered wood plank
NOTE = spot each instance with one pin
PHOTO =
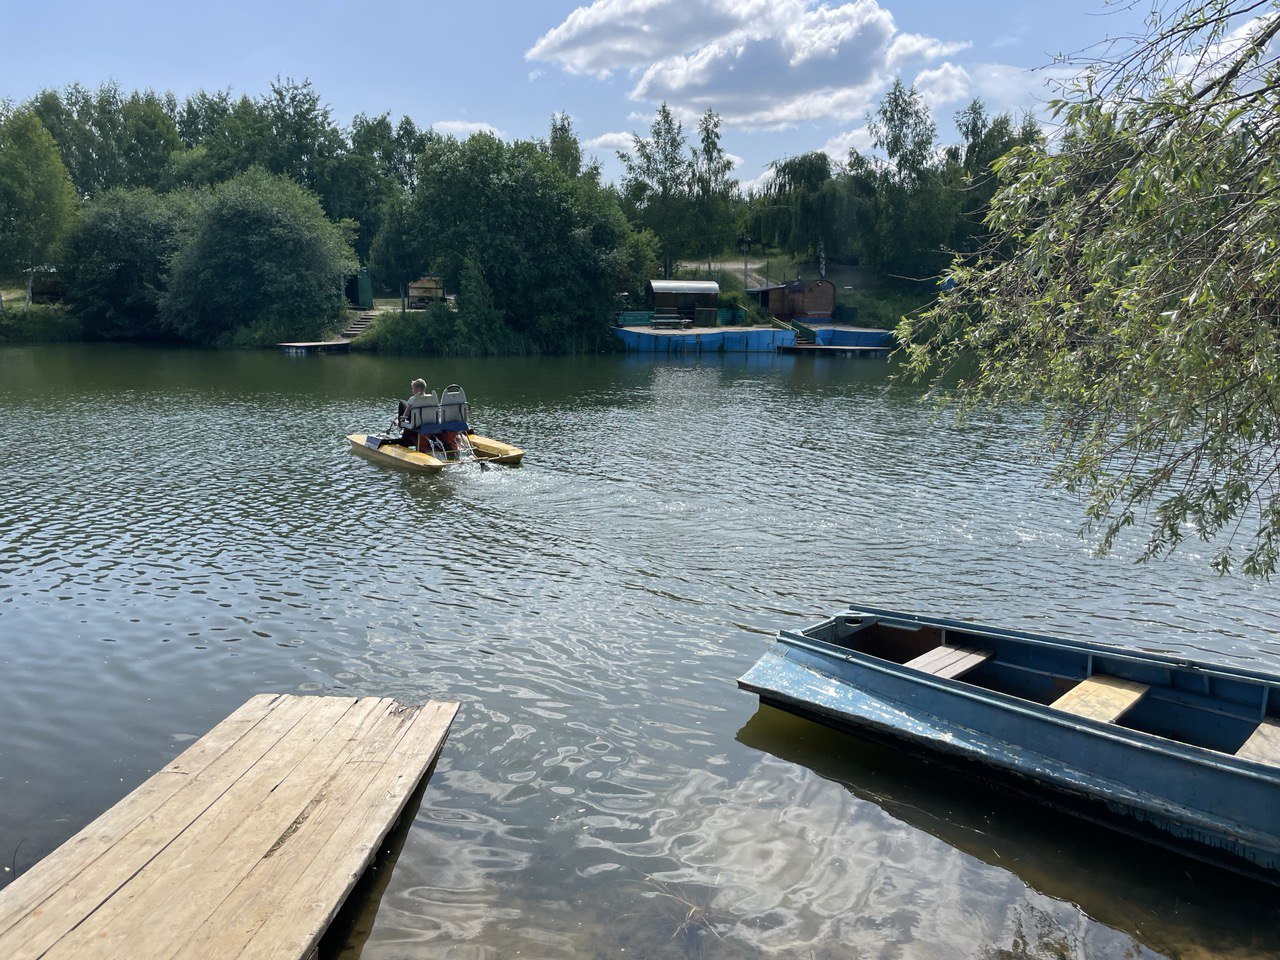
(948, 661)
(226, 860)
(324, 857)
(159, 901)
(1263, 744)
(1101, 697)
(90, 866)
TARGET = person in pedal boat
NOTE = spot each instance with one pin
(404, 418)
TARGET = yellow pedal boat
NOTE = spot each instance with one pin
(392, 454)
(443, 438)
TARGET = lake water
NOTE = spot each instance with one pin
(181, 530)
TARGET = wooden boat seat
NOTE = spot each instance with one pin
(1263, 745)
(1101, 697)
(948, 661)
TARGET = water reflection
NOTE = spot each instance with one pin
(1165, 901)
(207, 536)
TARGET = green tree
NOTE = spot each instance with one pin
(37, 201)
(258, 262)
(798, 210)
(913, 193)
(1129, 285)
(117, 261)
(714, 191)
(562, 146)
(479, 324)
(656, 185)
(109, 140)
(549, 247)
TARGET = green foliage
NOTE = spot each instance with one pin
(258, 262)
(109, 140)
(40, 323)
(430, 331)
(117, 261)
(1130, 286)
(37, 202)
(656, 184)
(550, 248)
(479, 324)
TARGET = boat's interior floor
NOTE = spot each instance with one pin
(1227, 714)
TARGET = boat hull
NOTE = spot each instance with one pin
(487, 450)
(1212, 805)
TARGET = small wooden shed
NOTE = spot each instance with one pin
(425, 290)
(799, 299)
(684, 298)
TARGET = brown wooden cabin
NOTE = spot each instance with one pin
(683, 298)
(797, 300)
(425, 290)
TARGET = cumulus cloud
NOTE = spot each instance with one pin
(763, 64)
(611, 35)
(942, 85)
(611, 142)
(838, 147)
(464, 128)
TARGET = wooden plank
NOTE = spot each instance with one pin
(323, 858)
(948, 661)
(267, 796)
(1263, 744)
(141, 919)
(1101, 697)
(87, 869)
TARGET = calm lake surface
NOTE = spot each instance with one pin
(181, 530)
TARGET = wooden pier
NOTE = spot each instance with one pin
(303, 348)
(245, 846)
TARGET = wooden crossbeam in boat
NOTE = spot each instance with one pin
(1101, 697)
(245, 846)
(948, 661)
(1263, 744)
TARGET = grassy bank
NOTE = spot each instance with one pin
(41, 323)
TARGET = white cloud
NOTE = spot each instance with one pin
(464, 128)
(838, 147)
(945, 84)
(611, 142)
(760, 64)
(758, 183)
(613, 35)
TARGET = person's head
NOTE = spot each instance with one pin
(419, 386)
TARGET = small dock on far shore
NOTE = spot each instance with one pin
(245, 846)
(304, 347)
(339, 344)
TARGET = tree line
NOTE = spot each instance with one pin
(224, 220)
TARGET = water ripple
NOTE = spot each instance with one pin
(606, 787)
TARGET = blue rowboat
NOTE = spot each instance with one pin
(1173, 750)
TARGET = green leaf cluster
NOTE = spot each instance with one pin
(1131, 285)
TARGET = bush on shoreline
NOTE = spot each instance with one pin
(41, 323)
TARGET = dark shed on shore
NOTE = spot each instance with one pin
(684, 298)
(799, 299)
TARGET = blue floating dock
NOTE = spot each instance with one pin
(832, 340)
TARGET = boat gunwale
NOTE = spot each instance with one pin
(1225, 671)
(1201, 756)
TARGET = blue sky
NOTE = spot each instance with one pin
(787, 76)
